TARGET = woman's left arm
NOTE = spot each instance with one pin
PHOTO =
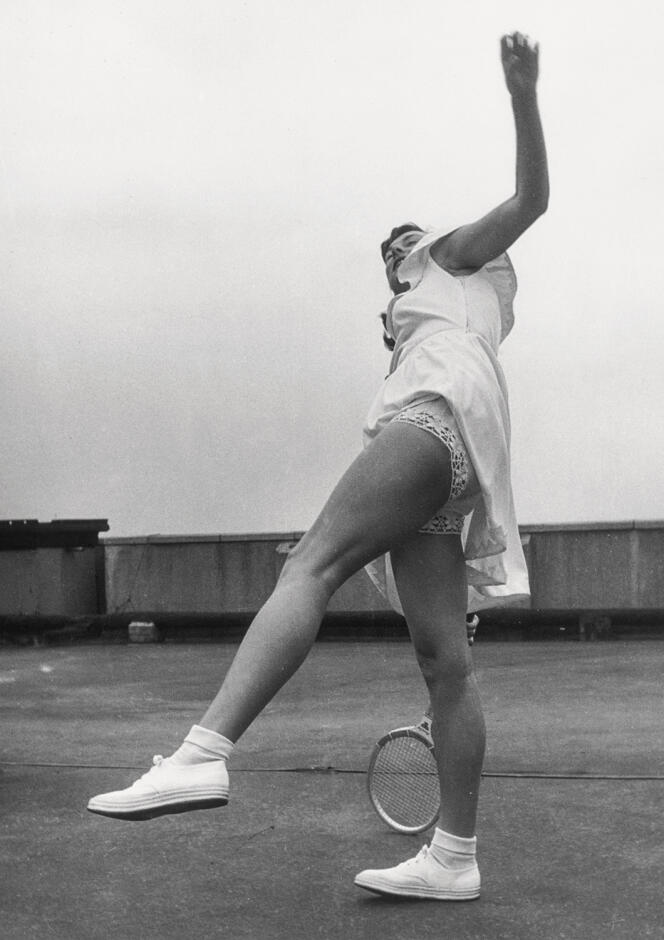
(473, 245)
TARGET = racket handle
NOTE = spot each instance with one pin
(471, 628)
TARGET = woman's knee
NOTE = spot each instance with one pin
(450, 669)
(309, 563)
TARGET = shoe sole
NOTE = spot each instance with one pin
(470, 894)
(163, 809)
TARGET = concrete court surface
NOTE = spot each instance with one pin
(561, 856)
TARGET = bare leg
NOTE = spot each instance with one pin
(386, 495)
(388, 492)
(430, 575)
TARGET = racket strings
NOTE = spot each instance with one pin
(404, 782)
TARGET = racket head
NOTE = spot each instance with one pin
(402, 779)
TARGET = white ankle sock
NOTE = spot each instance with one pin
(202, 745)
(453, 851)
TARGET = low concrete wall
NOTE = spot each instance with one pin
(206, 574)
(584, 567)
(51, 581)
(572, 567)
(51, 568)
(597, 566)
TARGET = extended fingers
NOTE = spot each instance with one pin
(517, 44)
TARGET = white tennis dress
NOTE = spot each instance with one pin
(447, 331)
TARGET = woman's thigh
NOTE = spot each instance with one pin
(389, 491)
(430, 575)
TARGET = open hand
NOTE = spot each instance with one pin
(520, 58)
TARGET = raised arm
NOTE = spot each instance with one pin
(473, 245)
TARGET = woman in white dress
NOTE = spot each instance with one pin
(436, 452)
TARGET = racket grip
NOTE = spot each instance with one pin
(471, 628)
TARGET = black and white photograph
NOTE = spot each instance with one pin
(331, 503)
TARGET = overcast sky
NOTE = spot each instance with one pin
(192, 197)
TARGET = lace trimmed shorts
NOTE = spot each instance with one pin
(436, 417)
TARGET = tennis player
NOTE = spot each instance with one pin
(436, 452)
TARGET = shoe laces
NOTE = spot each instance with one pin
(157, 761)
(421, 856)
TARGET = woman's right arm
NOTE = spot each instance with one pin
(472, 246)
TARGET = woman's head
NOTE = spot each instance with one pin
(394, 249)
(397, 233)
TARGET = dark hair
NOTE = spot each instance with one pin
(396, 232)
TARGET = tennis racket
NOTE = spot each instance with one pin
(403, 777)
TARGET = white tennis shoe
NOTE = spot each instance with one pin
(168, 787)
(423, 877)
